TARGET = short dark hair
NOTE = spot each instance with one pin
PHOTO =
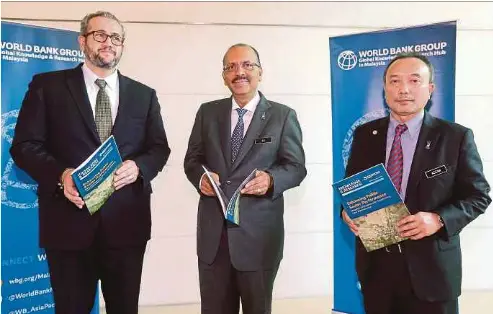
(84, 24)
(242, 45)
(407, 55)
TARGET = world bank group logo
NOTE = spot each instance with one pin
(348, 139)
(15, 193)
(347, 60)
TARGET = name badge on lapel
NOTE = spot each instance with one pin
(435, 171)
(263, 140)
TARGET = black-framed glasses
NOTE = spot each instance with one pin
(101, 37)
(246, 65)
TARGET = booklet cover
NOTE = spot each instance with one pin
(371, 200)
(231, 208)
(94, 177)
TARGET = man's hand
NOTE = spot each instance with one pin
(419, 225)
(206, 186)
(258, 185)
(350, 223)
(126, 174)
(69, 188)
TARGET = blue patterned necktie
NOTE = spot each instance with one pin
(395, 164)
(237, 136)
(102, 116)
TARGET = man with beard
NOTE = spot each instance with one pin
(231, 137)
(64, 117)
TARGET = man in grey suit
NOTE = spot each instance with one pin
(231, 137)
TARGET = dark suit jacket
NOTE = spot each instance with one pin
(258, 242)
(458, 196)
(56, 130)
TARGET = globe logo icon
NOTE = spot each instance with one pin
(348, 139)
(347, 60)
(16, 192)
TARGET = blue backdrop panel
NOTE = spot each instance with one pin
(26, 50)
(357, 65)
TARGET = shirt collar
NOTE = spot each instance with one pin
(413, 125)
(251, 105)
(90, 77)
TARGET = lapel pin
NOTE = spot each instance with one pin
(263, 116)
(375, 132)
(428, 144)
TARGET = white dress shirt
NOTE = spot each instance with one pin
(112, 89)
(247, 118)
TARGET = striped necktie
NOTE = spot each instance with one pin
(395, 163)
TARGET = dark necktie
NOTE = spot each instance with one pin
(395, 163)
(237, 136)
(103, 112)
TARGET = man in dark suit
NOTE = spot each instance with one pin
(64, 117)
(436, 168)
(231, 137)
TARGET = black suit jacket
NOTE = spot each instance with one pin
(56, 130)
(459, 196)
(258, 242)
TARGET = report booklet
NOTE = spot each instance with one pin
(371, 200)
(230, 208)
(94, 177)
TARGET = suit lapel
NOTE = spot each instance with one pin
(379, 139)
(123, 105)
(260, 118)
(77, 87)
(427, 140)
(224, 125)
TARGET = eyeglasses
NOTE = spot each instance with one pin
(246, 65)
(101, 37)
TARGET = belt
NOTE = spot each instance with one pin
(393, 249)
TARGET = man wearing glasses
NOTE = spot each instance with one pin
(64, 117)
(232, 137)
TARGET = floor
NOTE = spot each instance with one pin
(470, 303)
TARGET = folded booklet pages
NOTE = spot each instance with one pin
(94, 177)
(371, 200)
(230, 208)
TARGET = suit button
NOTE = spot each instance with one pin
(228, 182)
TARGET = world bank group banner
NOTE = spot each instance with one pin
(26, 50)
(357, 65)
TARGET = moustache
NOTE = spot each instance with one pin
(107, 50)
(236, 79)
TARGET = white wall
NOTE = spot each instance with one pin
(177, 49)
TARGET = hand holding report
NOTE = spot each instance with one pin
(230, 208)
(372, 202)
(94, 177)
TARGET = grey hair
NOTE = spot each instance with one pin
(85, 21)
(242, 45)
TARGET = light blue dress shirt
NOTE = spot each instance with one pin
(409, 139)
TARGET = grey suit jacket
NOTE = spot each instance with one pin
(257, 243)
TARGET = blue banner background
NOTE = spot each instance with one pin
(357, 65)
(26, 50)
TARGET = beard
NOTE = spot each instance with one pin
(96, 59)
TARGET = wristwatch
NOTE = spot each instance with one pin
(62, 178)
(440, 220)
(271, 183)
